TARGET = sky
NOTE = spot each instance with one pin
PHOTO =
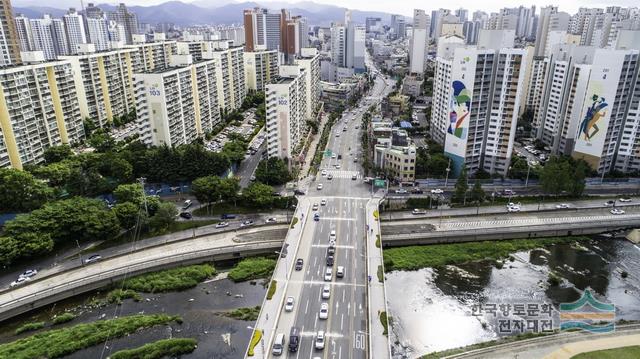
(404, 7)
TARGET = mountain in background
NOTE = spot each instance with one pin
(208, 12)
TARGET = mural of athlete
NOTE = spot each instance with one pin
(589, 125)
(458, 109)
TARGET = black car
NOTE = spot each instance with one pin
(417, 191)
(299, 264)
(299, 192)
(331, 251)
(186, 215)
(330, 261)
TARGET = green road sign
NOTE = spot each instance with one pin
(327, 153)
(379, 183)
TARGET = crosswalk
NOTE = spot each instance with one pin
(531, 221)
(343, 174)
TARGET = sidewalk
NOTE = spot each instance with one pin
(312, 148)
(567, 351)
(378, 342)
(271, 309)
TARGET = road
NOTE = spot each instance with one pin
(248, 166)
(346, 197)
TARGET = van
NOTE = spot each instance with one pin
(278, 345)
(186, 204)
(294, 339)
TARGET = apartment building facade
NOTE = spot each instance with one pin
(285, 116)
(260, 68)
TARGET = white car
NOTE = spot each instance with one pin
(332, 243)
(323, 202)
(625, 199)
(562, 206)
(328, 275)
(271, 220)
(326, 292)
(319, 187)
(617, 211)
(437, 191)
(513, 208)
(222, 225)
(315, 207)
(332, 235)
(320, 340)
(324, 173)
(337, 166)
(20, 281)
(288, 306)
(333, 156)
(418, 211)
(324, 311)
(28, 273)
(401, 191)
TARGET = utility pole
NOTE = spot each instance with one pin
(526, 182)
(144, 194)
(446, 179)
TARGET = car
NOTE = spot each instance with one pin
(625, 199)
(337, 134)
(222, 225)
(246, 223)
(187, 203)
(271, 220)
(332, 235)
(401, 191)
(354, 177)
(324, 173)
(339, 157)
(508, 192)
(186, 215)
(299, 263)
(344, 129)
(252, 178)
(332, 243)
(417, 191)
(324, 311)
(298, 192)
(227, 216)
(334, 156)
(340, 272)
(617, 211)
(319, 343)
(355, 160)
(331, 250)
(28, 273)
(562, 206)
(609, 203)
(337, 166)
(19, 281)
(323, 202)
(330, 177)
(437, 191)
(326, 292)
(330, 261)
(357, 127)
(328, 275)
(316, 217)
(315, 207)
(319, 187)
(515, 208)
(92, 259)
(288, 306)
(418, 211)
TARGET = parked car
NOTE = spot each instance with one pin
(222, 225)
(299, 263)
(418, 211)
(617, 211)
(186, 215)
(288, 306)
(92, 259)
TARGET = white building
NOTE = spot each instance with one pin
(285, 116)
(41, 31)
(309, 61)
(60, 40)
(260, 68)
(74, 24)
(418, 42)
(23, 27)
(98, 31)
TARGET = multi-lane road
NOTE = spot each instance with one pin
(346, 196)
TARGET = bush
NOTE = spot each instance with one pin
(553, 280)
(294, 221)
(29, 327)
(117, 295)
(384, 321)
(380, 274)
(249, 314)
(255, 339)
(171, 348)
(62, 342)
(272, 289)
(377, 241)
(63, 318)
(252, 268)
(171, 279)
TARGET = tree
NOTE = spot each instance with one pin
(24, 245)
(129, 193)
(519, 168)
(258, 195)
(272, 171)
(555, 176)
(234, 150)
(228, 189)
(102, 141)
(21, 192)
(437, 165)
(477, 193)
(55, 154)
(129, 215)
(580, 170)
(164, 217)
(206, 189)
(461, 187)
(57, 174)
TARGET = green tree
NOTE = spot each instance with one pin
(57, 174)
(21, 192)
(55, 154)
(129, 214)
(555, 177)
(206, 189)
(518, 168)
(461, 187)
(164, 217)
(437, 165)
(477, 193)
(228, 189)
(102, 141)
(580, 171)
(129, 193)
(272, 171)
(234, 150)
(258, 195)
(24, 245)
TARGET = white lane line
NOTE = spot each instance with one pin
(343, 293)
(306, 308)
(318, 282)
(315, 261)
(336, 219)
(340, 352)
(341, 321)
(337, 246)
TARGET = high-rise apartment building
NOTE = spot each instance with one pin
(418, 42)
(309, 61)
(177, 105)
(551, 30)
(152, 56)
(127, 19)
(76, 34)
(42, 32)
(260, 68)
(262, 30)
(38, 109)
(285, 115)
(98, 31)
(23, 27)
(373, 25)
(9, 40)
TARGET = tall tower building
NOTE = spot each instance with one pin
(23, 27)
(262, 30)
(9, 40)
(98, 33)
(418, 43)
(127, 19)
(74, 24)
(41, 29)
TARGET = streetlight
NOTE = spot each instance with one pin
(446, 180)
(526, 182)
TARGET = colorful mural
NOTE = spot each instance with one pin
(459, 109)
(589, 125)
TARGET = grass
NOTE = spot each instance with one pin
(630, 352)
(63, 318)
(248, 314)
(294, 221)
(509, 339)
(61, 342)
(178, 226)
(252, 268)
(255, 339)
(272, 289)
(160, 349)
(438, 255)
(377, 241)
(380, 274)
(385, 322)
(29, 327)
(222, 208)
(117, 295)
(171, 279)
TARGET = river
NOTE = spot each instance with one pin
(436, 309)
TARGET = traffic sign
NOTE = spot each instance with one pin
(327, 153)
(379, 183)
